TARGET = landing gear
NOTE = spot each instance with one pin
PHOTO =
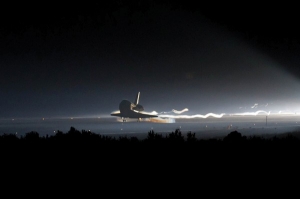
(139, 120)
(124, 120)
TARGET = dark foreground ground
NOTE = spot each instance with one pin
(85, 158)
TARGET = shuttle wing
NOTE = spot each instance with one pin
(133, 114)
(141, 114)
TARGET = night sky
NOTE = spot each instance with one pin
(68, 60)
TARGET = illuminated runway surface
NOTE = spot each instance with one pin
(203, 128)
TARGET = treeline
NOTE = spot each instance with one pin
(83, 137)
(176, 136)
(85, 149)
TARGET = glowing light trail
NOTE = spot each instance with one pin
(252, 113)
(254, 106)
(179, 112)
(175, 111)
(193, 116)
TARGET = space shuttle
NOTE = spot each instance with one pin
(128, 109)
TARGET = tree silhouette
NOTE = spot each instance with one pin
(152, 136)
(175, 137)
(234, 136)
(191, 137)
(9, 137)
(32, 136)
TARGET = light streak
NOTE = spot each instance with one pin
(175, 111)
(254, 106)
(193, 116)
(179, 112)
(253, 113)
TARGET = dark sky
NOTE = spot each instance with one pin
(82, 59)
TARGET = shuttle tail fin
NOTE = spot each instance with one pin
(137, 98)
